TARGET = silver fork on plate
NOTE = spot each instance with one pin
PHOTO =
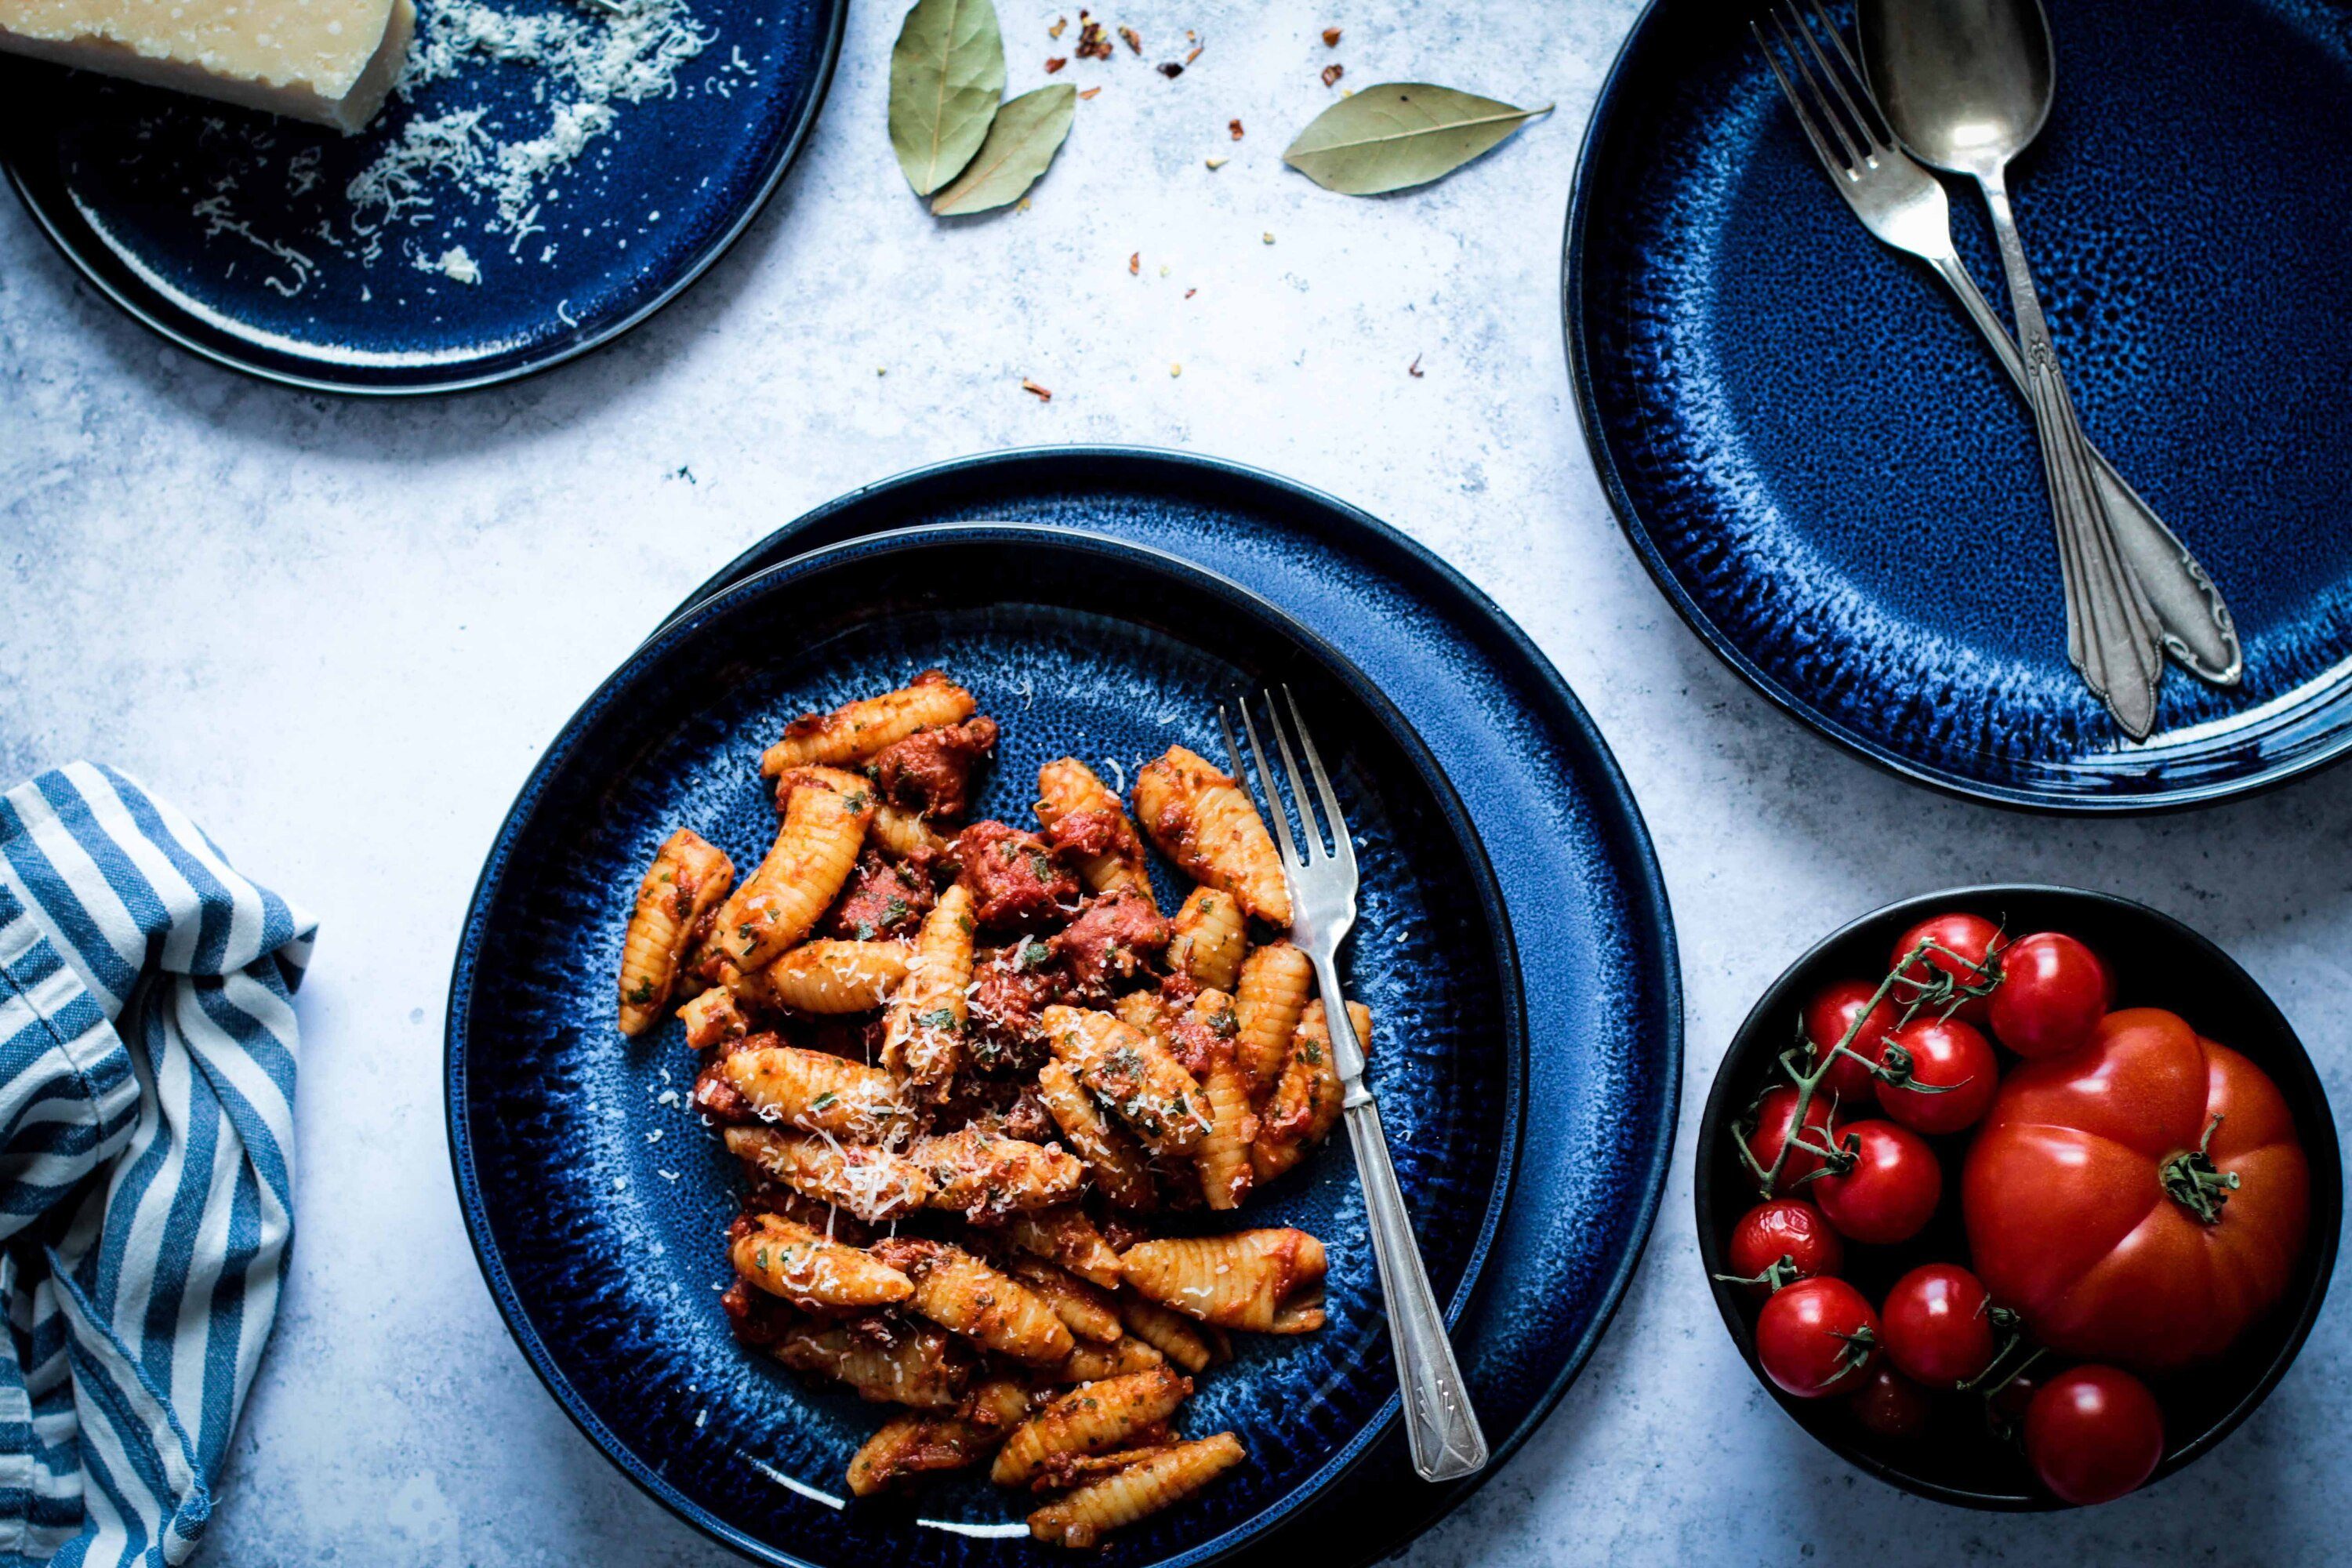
(1439, 1423)
(1905, 207)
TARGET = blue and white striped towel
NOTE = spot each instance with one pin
(147, 1049)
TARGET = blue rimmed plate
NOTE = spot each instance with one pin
(374, 263)
(1587, 909)
(602, 1241)
(1834, 484)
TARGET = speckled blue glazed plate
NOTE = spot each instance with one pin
(1829, 478)
(546, 176)
(1587, 909)
(603, 1241)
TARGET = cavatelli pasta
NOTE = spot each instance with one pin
(1209, 932)
(1269, 1280)
(686, 878)
(1203, 820)
(1091, 1361)
(1066, 1237)
(713, 1018)
(1144, 1086)
(923, 1040)
(1168, 1477)
(904, 835)
(911, 1445)
(981, 1173)
(884, 1357)
(856, 731)
(1173, 1335)
(788, 1259)
(815, 1092)
(1085, 821)
(1274, 983)
(874, 1185)
(1118, 1165)
(1084, 1311)
(1222, 1159)
(1090, 1420)
(1306, 1101)
(961, 1294)
(828, 977)
(814, 851)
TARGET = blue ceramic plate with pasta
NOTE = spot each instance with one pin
(599, 1193)
(546, 175)
(1832, 482)
(1587, 914)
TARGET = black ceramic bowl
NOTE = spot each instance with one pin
(2157, 962)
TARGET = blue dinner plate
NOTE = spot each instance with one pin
(239, 235)
(1832, 480)
(1588, 912)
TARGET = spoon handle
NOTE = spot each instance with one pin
(2196, 621)
(2111, 629)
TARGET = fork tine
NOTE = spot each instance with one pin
(1838, 167)
(1306, 822)
(1884, 134)
(1344, 848)
(1856, 157)
(1836, 81)
(1290, 855)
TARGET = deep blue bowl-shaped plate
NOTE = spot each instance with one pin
(235, 234)
(602, 1242)
(1588, 911)
(1833, 482)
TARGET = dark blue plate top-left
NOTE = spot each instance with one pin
(544, 177)
(597, 1198)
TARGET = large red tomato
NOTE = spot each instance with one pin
(2099, 1202)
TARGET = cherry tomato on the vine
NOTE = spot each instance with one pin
(1952, 1062)
(1889, 1404)
(2053, 992)
(1938, 1324)
(1829, 1016)
(2094, 1433)
(1774, 1118)
(1888, 1188)
(1816, 1338)
(2005, 1401)
(1963, 949)
(1781, 1241)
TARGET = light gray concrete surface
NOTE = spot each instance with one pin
(339, 633)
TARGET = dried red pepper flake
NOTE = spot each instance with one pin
(1055, 30)
(1190, 292)
(1134, 264)
(1414, 370)
(1331, 37)
(1194, 54)
(1054, 63)
(1235, 127)
(1171, 69)
(1036, 391)
(1134, 40)
(1090, 92)
(1093, 43)
(1331, 74)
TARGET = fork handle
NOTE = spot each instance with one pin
(1440, 1427)
(2195, 621)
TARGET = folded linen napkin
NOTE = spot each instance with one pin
(147, 1048)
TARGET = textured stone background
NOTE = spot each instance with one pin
(338, 634)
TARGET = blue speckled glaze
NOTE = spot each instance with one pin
(1587, 909)
(604, 1243)
(1833, 482)
(125, 179)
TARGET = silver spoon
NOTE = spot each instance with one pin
(1967, 85)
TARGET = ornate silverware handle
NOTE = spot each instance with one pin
(1440, 1426)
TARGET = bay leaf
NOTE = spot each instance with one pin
(1027, 134)
(1398, 134)
(946, 73)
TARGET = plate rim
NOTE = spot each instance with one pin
(529, 797)
(1636, 530)
(68, 239)
(1318, 511)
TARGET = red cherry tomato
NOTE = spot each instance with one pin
(1938, 1325)
(2140, 1200)
(1780, 1242)
(1890, 1405)
(1888, 1187)
(1954, 1064)
(2094, 1433)
(1967, 944)
(1828, 1018)
(2053, 992)
(1773, 1116)
(1816, 1338)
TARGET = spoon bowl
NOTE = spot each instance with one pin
(1965, 84)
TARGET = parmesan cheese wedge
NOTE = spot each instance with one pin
(328, 62)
